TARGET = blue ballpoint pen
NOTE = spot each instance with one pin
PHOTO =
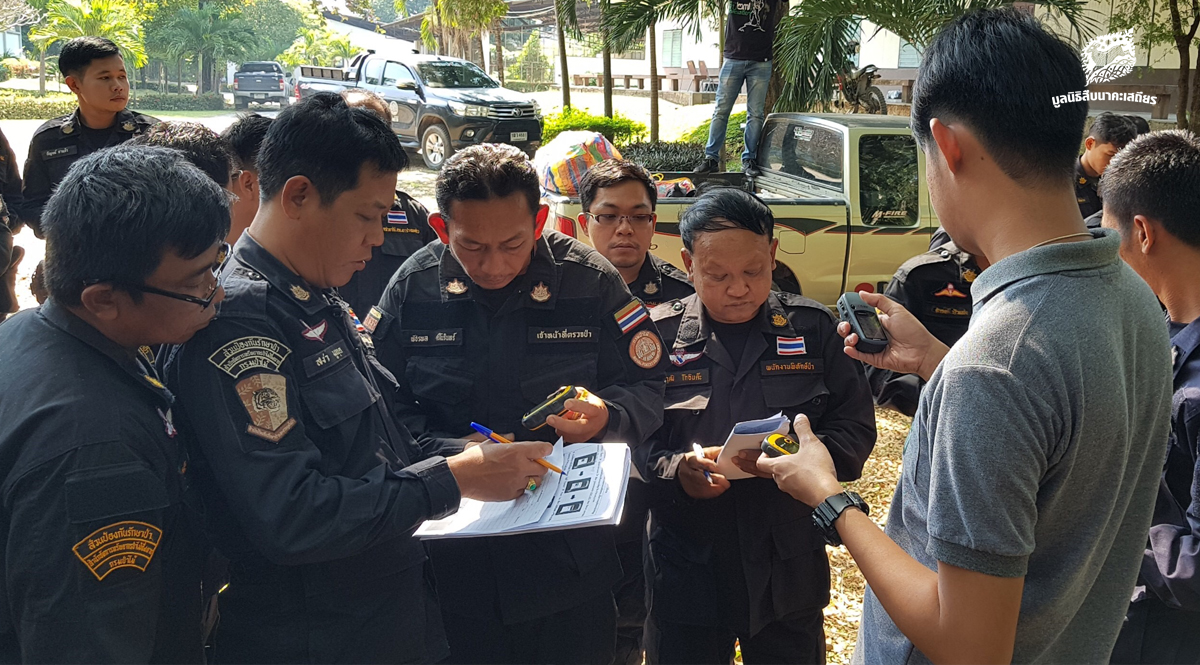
(700, 455)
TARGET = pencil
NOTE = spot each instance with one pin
(499, 439)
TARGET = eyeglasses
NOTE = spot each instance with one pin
(222, 257)
(613, 220)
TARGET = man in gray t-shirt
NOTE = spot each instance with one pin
(1030, 471)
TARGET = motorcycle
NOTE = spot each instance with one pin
(856, 91)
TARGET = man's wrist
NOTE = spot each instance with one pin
(933, 357)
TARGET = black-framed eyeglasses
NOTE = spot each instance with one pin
(612, 220)
(222, 256)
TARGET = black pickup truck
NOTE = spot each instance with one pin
(261, 82)
(441, 105)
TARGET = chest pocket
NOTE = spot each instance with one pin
(806, 392)
(445, 379)
(338, 395)
(688, 388)
(401, 241)
(548, 373)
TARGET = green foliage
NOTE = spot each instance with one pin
(526, 86)
(116, 20)
(618, 129)
(275, 23)
(531, 64)
(734, 137)
(459, 21)
(384, 10)
(158, 101)
(20, 67)
(664, 155)
(319, 46)
(32, 107)
(5, 72)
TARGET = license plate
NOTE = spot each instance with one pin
(258, 96)
(518, 136)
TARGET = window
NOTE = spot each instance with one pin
(672, 49)
(806, 151)
(395, 73)
(371, 72)
(909, 56)
(450, 74)
(887, 186)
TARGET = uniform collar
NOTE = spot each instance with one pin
(1099, 252)
(537, 288)
(1186, 340)
(649, 278)
(1081, 174)
(125, 122)
(142, 372)
(693, 327)
(249, 253)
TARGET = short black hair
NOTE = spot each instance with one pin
(326, 141)
(1117, 130)
(201, 145)
(723, 208)
(998, 71)
(363, 98)
(1156, 175)
(486, 171)
(116, 213)
(78, 53)
(244, 139)
(1143, 125)
(612, 172)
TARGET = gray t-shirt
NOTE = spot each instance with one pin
(1036, 450)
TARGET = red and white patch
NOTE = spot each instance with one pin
(315, 333)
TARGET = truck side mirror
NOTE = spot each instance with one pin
(407, 85)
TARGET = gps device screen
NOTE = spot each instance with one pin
(869, 323)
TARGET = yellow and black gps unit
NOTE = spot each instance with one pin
(778, 445)
(555, 405)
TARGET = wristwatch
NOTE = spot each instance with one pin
(831, 509)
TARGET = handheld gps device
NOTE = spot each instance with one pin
(554, 405)
(778, 445)
(864, 322)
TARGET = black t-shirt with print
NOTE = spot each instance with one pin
(750, 30)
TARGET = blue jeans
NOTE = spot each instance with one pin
(756, 76)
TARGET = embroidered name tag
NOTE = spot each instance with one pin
(448, 337)
(402, 229)
(940, 310)
(326, 358)
(60, 152)
(772, 367)
(697, 377)
(564, 334)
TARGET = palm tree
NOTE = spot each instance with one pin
(67, 19)
(208, 32)
(567, 24)
(452, 25)
(623, 23)
(340, 49)
(814, 42)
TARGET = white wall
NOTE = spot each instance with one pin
(881, 50)
(369, 39)
(706, 49)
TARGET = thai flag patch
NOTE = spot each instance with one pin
(629, 316)
(790, 346)
(397, 217)
(681, 358)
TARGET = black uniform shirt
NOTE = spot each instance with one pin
(310, 487)
(568, 320)
(100, 558)
(751, 555)
(405, 230)
(10, 186)
(936, 288)
(1087, 190)
(658, 281)
(58, 144)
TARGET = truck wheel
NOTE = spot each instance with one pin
(435, 146)
(876, 103)
(240, 103)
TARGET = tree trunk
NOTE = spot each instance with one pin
(179, 76)
(721, 41)
(1194, 120)
(199, 74)
(608, 82)
(42, 73)
(498, 31)
(652, 45)
(1182, 44)
(562, 64)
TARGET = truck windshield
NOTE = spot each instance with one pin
(454, 75)
(260, 67)
(807, 151)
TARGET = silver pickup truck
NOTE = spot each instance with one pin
(847, 191)
(259, 82)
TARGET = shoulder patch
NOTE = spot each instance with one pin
(118, 545)
(265, 398)
(645, 349)
(246, 353)
(631, 315)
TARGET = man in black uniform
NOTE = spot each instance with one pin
(10, 223)
(101, 559)
(936, 288)
(405, 228)
(618, 199)
(1109, 133)
(95, 72)
(482, 327)
(741, 560)
(243, 139)
(311, 488)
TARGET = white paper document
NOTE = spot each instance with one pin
(590, 492)
(748, 436)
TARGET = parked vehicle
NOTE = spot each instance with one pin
(261, 82)
(306, 81)
(441, 105)
(847, 191)
(856, 90)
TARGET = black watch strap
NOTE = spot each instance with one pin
(831, 509)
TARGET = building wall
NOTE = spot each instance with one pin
(369, 39)
(707, 48)
(10, 44)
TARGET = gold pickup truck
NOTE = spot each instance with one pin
(848, 193)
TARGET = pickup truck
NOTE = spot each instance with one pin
(847, 191)
(441, 105)
(259, 82)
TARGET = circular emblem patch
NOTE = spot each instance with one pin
(645, 349)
